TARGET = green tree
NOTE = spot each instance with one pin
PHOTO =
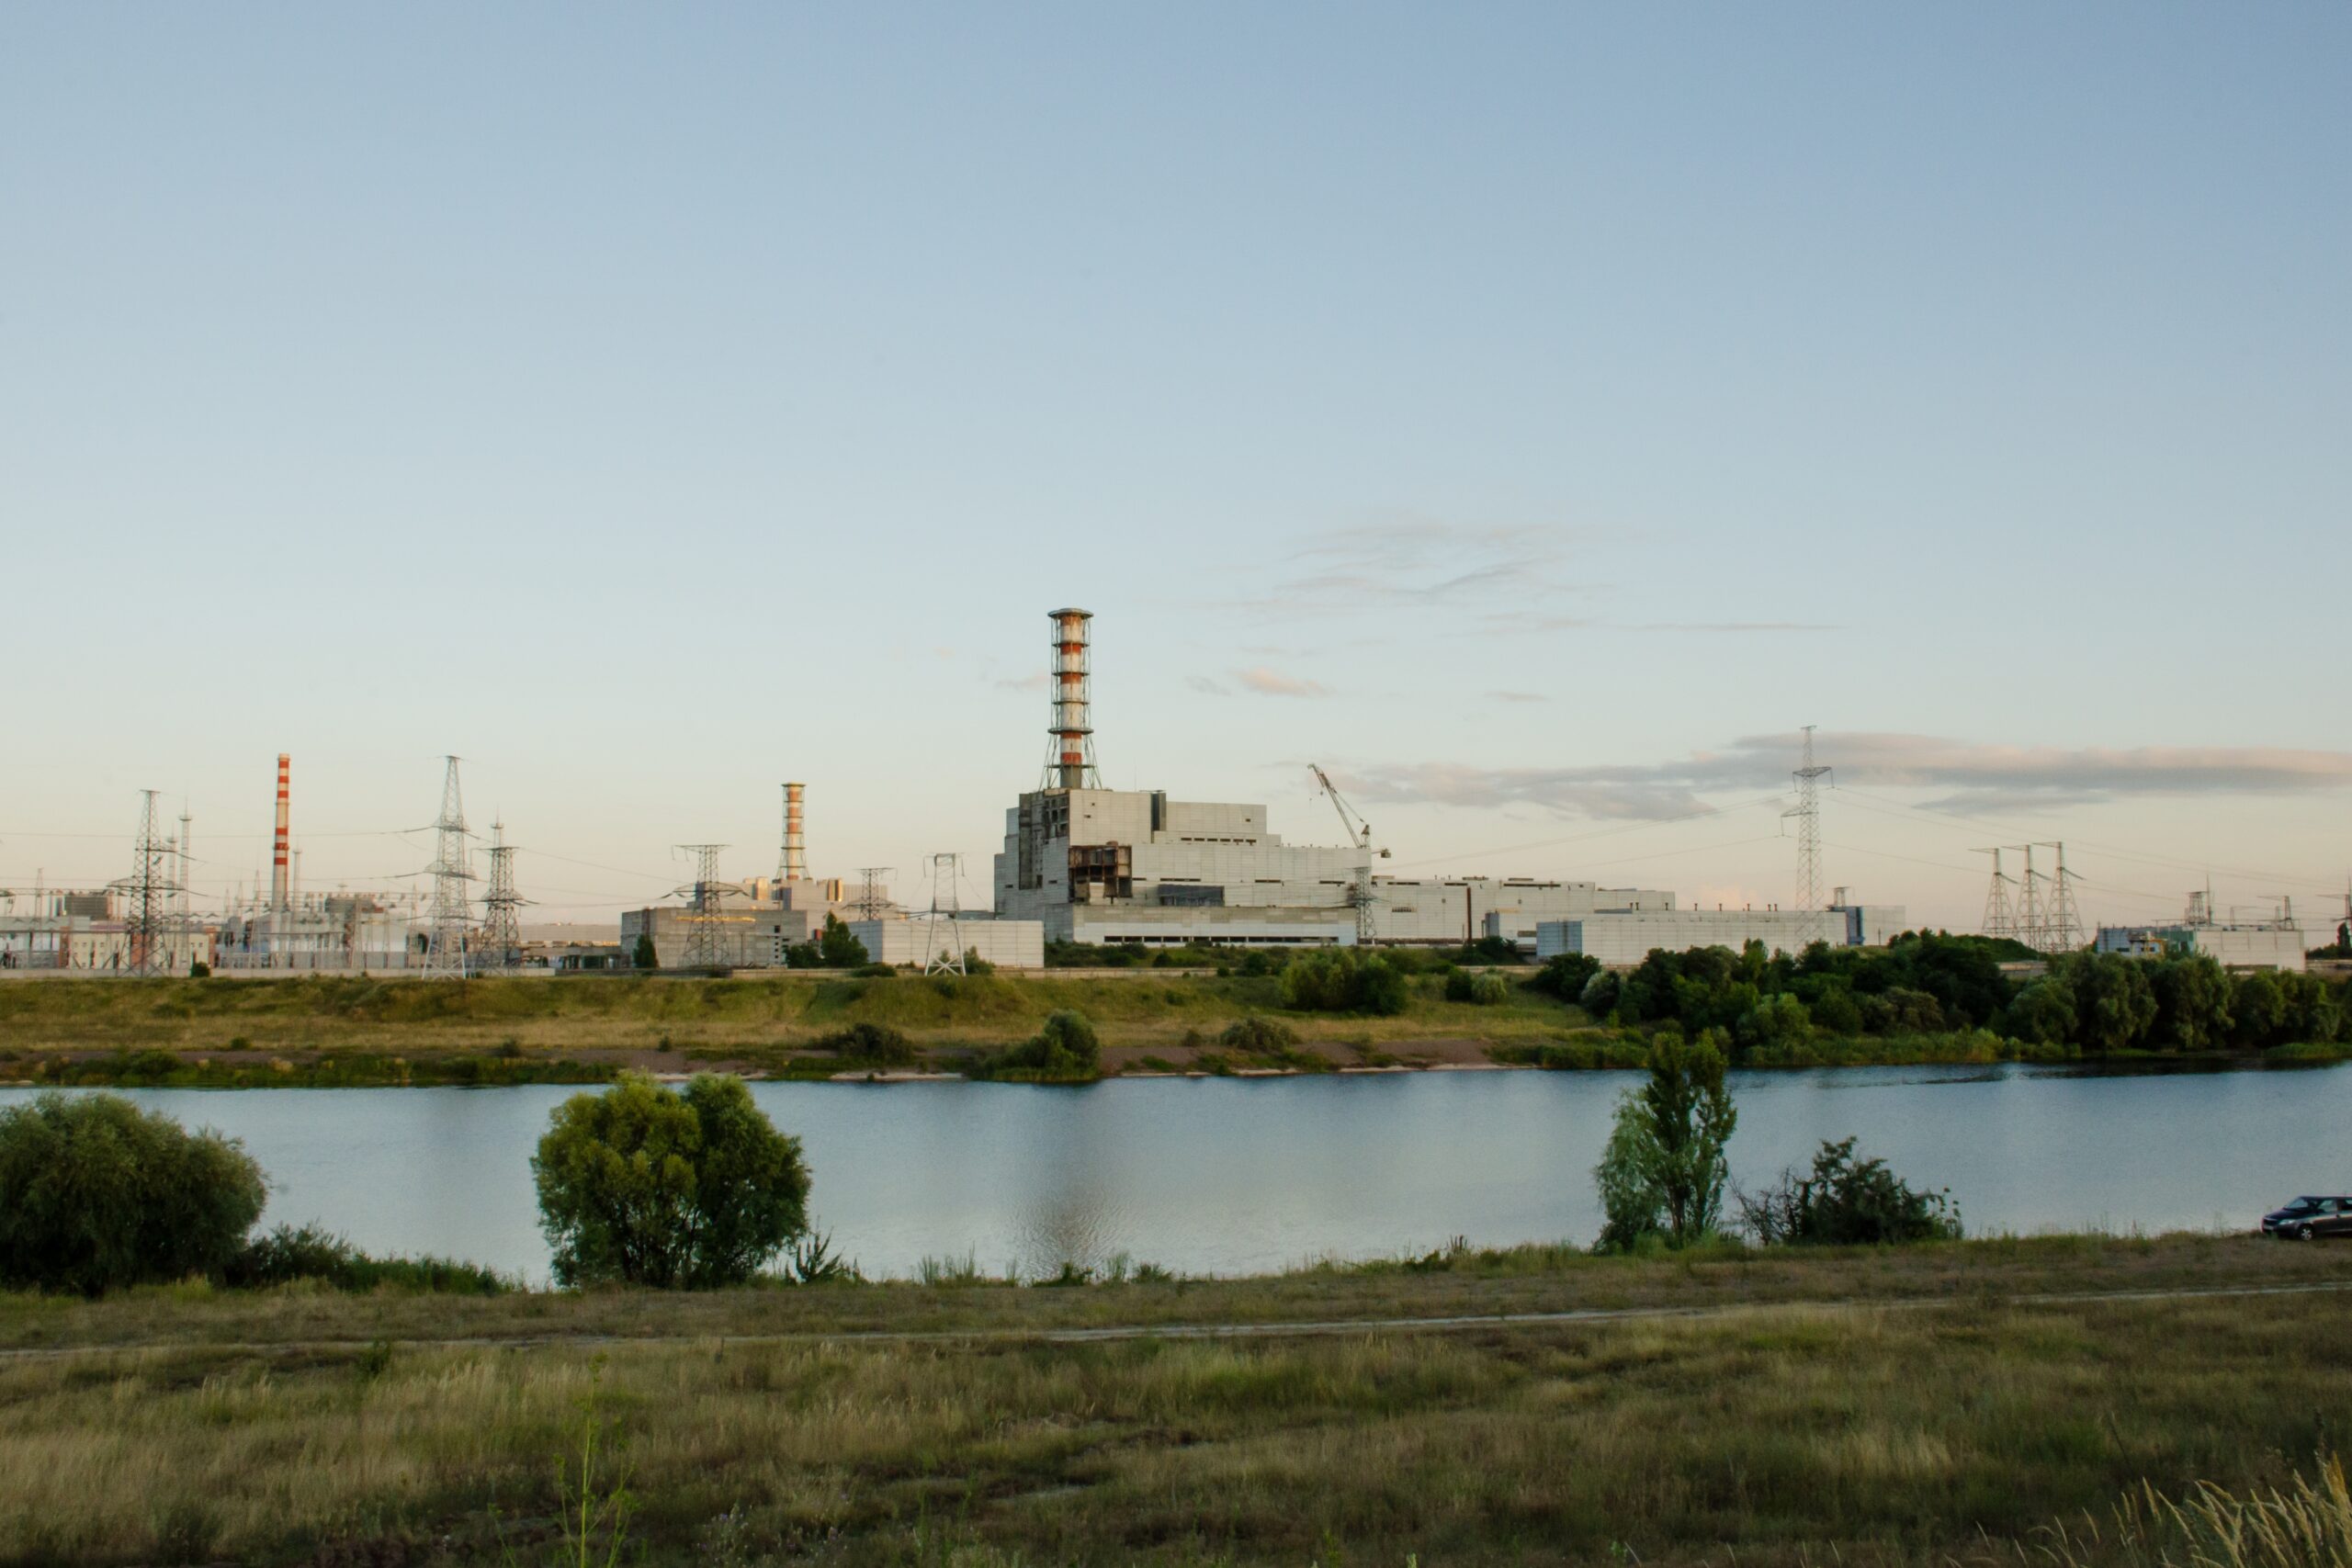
(95, 1194)
(1565, 974)
(644, 957)
(2043, 1013)
(1065, 1050)
(677, 1189)
(838, 948)
(2258, 1005)
(2115, 1005)
(2192, 1003)
(1776, 1021)
(1664, 1167)
(1342, 980)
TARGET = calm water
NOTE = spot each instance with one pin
(1220, 1175)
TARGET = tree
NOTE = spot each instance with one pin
(838, 948)
(2043, 1013)
(2192, 1003)
(1664, 1168)
(1565, 974)
(1847, 1204)
(677, 1189)
(2114, 1004)
(644, 957)
(1342, 980)
(1065, 1050)
(2259, 1004)
(1776, 1021)
(95, 1194)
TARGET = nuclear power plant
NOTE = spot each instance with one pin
(1078, 864)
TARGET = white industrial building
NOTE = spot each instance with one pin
(2279, 943)
(1132, 866)
(1621, 939)
(920, 941)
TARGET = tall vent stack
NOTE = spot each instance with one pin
(278, 892)
(1069, 765)
(796, 849)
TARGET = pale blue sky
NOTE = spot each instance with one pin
(654, 405)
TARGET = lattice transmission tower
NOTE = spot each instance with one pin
(449, 917)
(2033, 927)
(704, 946)
(1807, 811)
(2062, 925)
(2000, 916)
(501, 924)
(943, 936)
(873, 902)
(149, 893)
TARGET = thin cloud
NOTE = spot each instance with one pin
(1965, 776)
(1273, 684)
(1519, 696)
(1203, 684)
(1035, 683)
(1417, 563)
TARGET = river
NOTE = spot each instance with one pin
(1234, 1175)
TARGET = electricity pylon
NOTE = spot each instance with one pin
(942, 938)
(1807, 811)
(449, 918)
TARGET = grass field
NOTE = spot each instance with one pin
(1800, 1415)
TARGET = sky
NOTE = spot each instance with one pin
(1534, 413)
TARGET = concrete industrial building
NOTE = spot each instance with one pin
(1109, 866)
(1621, 939)
(917, 941)
(2279, 943)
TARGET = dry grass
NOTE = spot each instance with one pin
(1793, 1433)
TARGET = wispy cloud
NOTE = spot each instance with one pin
(1519, 696)
(1965, 776)
(1212, 688)
(1407, 561)
(1035, 683)
(1273, 684)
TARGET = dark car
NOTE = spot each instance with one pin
(2307, 1218)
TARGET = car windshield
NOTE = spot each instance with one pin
(2302, 1205)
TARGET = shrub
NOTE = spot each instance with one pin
(975, 965)
(1066, 1050)
(1257, 1035)
(1566, 975)
(292, 1253)
(95, 1194)
(838, 948)
(675, 1188)
(1340, 979)
(876, 1044)
(1846, 1203)
(642, 956)
(875, 972)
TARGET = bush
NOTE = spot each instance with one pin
(875, 1044)
(96, 1195)
(875, 972)
(1846, 1203)
(673, 1189)
(1566, 975)
(292, 1253)
(1342, 980)
(1066, 1050)
(1257, 1035)
(837, 948)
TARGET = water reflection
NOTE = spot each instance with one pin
(1224, 1176)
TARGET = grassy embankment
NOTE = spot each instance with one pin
(332, 1031)
(1801, 1420)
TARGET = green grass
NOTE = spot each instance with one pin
(294, 1427)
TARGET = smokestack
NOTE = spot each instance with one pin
(796, 855)
(277, 889)
(1070, 762)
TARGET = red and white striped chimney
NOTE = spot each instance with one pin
(796, 856)
(277, 889)
(1071, 760)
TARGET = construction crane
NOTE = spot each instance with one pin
(1359, 833)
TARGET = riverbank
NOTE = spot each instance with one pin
(1857, 1407)
(236, 1033)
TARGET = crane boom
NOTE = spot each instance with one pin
(1359, 831)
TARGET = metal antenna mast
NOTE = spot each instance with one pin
(2062, 926)
(502, 928)
(1807, 811)
(947, 957)
(2000, 920)
(149, 896)
(447, 918)
(870, 904)
(703, 944)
